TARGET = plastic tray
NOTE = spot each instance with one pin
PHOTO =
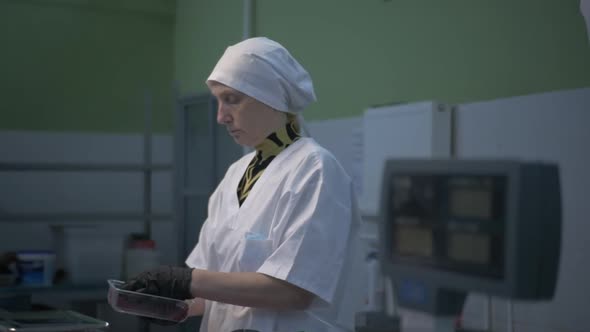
(145, 305)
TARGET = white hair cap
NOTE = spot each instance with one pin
(264, 70)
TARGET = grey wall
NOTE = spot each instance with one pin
(81, 192)
(551, 127)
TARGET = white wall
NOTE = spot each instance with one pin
(551, 127)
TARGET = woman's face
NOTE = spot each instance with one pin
(247, 120)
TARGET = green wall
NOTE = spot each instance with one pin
(363, 53)
(204, 28)
(85, 65)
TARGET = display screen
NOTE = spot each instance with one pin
(449, 227)
(471, 203)
(469, 248)
(452, 222)
(414, 198)
(414, 241)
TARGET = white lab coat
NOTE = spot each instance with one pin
(297, 224)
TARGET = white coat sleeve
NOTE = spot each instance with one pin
(200, 256)
(316, 216)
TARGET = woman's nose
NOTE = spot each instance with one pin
(223, 116)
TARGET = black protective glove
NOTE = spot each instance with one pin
(167, 281)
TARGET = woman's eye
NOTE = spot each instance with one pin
(232, 99)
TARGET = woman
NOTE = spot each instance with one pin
(274, 252)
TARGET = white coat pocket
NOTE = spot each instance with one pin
(254, 252)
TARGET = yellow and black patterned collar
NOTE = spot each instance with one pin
(265, 154)
(279, 140)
